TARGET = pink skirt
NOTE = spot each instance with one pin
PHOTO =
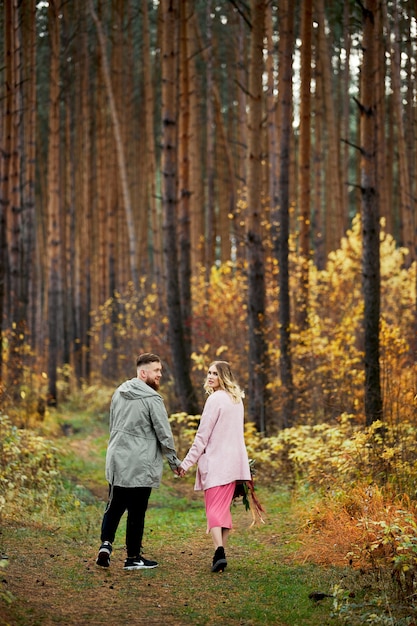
(218, 501)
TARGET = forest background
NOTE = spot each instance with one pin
(219, 179)
(208, 180)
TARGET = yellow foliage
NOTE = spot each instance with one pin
(28, 466)
(327, 356)
(324, 456)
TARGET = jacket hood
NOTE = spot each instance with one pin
(134, 389)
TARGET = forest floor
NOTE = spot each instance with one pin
(51, 576)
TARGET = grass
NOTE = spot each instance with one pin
(54, 580)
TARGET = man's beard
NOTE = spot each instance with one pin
(152, 383)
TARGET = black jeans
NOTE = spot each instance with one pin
(135, 501)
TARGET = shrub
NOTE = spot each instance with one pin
(28, 466)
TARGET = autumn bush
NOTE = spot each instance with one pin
(326, 457)
(28, 468)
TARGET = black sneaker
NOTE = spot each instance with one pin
(138, 562)
(219, 560)
(104, 553)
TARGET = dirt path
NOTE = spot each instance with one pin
(54, 580)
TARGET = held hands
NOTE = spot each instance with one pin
(179, 471)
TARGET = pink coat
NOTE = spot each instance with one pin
(219, 446)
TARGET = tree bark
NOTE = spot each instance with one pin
(370, 216)
(210, 224)
(184, 179)
(54, 310)
(151, 165)
(258, 355)
(304, 159)
(281, 245)
(407, 205)
(180, 358)
(335, 219)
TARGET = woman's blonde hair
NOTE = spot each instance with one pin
(227, 381)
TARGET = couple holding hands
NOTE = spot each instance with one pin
(140, 434)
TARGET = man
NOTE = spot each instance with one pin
(140, 435)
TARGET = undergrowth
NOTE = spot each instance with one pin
(342, 520)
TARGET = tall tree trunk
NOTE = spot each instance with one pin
(344, 117)
(370, 215)
(17, 181)
(271, 115)
(407, 216)
(82, 244)
(241, 139)
(281, 245)
(304, 158)
(210, 227)
(197, 130)
(29, 241)
(319, 242)
(54, 314)
(18, 304)
(184, 179)
(335, 219)
(180, 358)
(5, 162)
(258, 355)
(150, 150)
(383, 173)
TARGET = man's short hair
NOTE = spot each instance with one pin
(146, 358)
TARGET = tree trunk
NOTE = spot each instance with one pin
(281, 245)
(54, 315)
(271, 116)
(151, 166)
(335, 219)
(19, 198)
(383, 173)
(304, 158)
(83, 235)
(210, 225)
(197, 131)
(5, 165)
(181, 360)
(258, 356)
(184, 179)
(407, 216)
(241, 139)
(28, 30)
(370, 216)
(319, 242)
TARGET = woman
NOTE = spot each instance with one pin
(220, 453)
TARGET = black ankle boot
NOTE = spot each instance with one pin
(219, 560)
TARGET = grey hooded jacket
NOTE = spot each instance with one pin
(140, 435)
